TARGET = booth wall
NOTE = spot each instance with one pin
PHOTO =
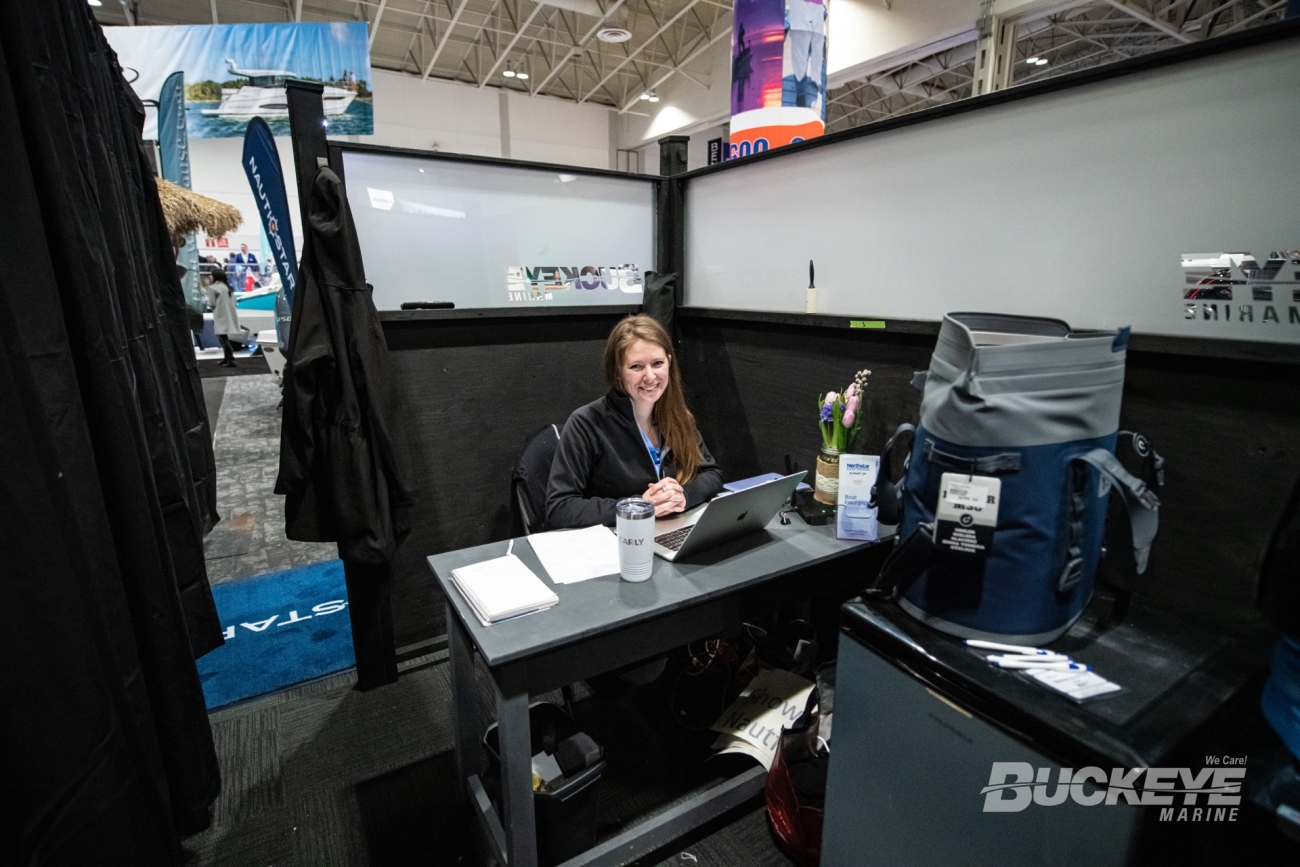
(472, 390)
(1076, 203)
(1229, 430)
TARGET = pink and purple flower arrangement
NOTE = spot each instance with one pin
(840, 414)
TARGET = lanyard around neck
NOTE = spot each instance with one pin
(656, 455)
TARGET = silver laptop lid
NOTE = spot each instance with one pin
(732, 515)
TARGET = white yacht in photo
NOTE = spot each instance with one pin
(264, 95)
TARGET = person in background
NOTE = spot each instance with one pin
(639, 440)
(247, 263)
(225, 315)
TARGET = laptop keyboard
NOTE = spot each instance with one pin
(673, 541)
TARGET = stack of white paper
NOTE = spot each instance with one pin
(502, 588)
(569, 556)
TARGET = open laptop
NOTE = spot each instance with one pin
(723, 518)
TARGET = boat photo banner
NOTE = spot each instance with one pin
(235, 72)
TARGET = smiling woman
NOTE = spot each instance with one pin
(638, 440)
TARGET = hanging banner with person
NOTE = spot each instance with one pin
(778, 73)
(266, 178)
(236, 72)
(174, 155)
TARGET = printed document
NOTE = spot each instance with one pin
(570, 556)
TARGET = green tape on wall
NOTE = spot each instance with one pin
(867, 323)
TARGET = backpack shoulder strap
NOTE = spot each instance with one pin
(1141, 502)
(887, 495)
(909, 557)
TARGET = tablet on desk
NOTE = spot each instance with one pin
(742, 484)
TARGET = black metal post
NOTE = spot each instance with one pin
(670, 241)
(370, 608)
(307, 132)
(369, 587)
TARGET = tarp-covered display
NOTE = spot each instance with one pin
(108, 482)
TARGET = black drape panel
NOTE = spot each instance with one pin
(109, 483)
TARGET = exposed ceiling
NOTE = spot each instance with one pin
(1070, 37)
(554, 44)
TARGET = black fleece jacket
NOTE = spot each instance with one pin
(601, 459)
(345, 467)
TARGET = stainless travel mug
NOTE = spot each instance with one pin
(636, 538)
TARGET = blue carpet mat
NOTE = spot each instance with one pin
(281, 629)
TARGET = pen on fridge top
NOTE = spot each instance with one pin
(1030, 660)
(1030, 665)
(1008, 648)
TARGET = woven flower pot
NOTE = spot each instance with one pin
(827, 484)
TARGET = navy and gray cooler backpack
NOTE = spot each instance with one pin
(1035, 405)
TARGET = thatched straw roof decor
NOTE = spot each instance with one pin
(186, 211)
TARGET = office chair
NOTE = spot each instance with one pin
(528, 496)
(528, 484)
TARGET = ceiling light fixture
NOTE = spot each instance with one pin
(645, 94)
(1033, 59)
(1042, 61)
(582, 7)
(522, 76)
(94, 2)
(653, 97)
(509, 73)
(614, 34)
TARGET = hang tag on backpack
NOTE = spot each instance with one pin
(967, 514)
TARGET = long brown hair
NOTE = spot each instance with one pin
(670, 413)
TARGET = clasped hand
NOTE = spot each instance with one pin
(667, 496)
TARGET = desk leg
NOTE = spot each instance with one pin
(464, 698)
(514, 730)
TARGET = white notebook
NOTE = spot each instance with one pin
(502, 588)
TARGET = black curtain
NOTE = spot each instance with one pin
(108, 484)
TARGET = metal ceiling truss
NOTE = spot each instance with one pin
(1069, 37)
(553, 42)
(913, 85)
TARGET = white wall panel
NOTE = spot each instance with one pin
(441, 230)
(1076, 204)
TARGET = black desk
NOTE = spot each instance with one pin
(605, 623)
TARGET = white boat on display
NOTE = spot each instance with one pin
(264, 95)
